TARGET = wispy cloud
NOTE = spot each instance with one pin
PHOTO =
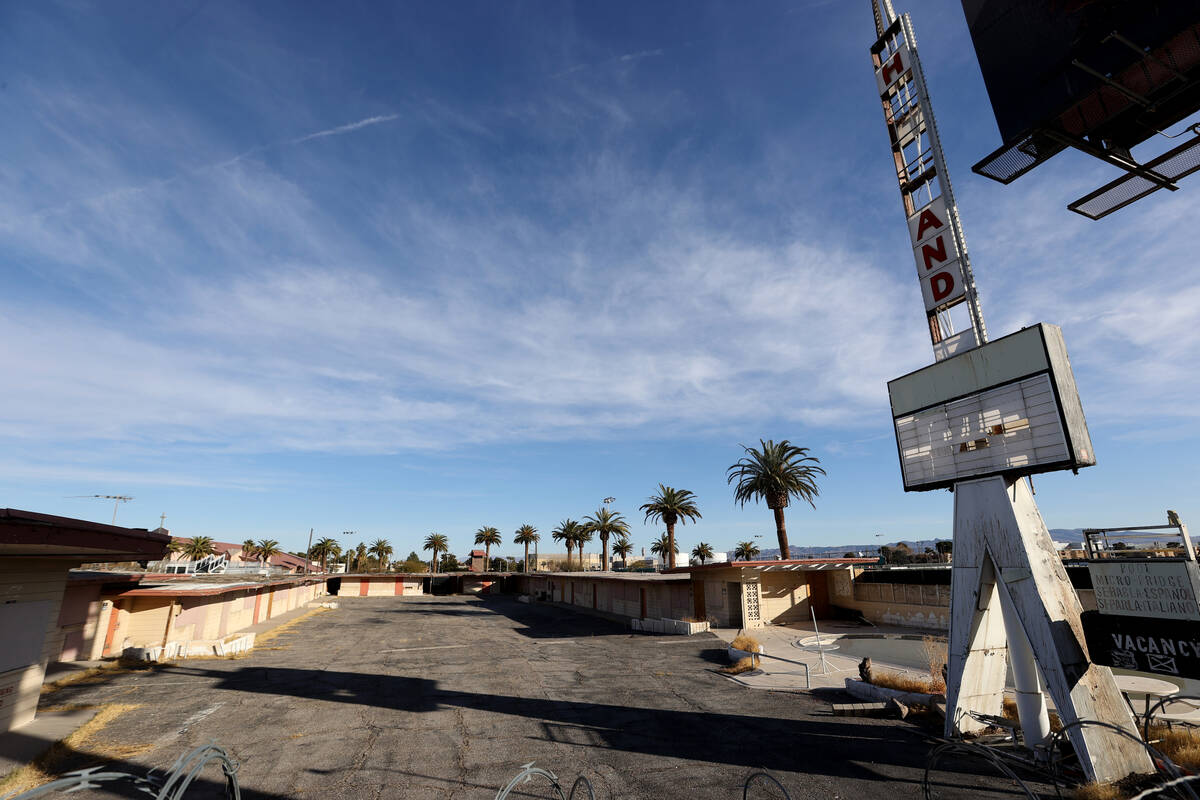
(340, 129)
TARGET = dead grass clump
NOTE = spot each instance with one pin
(267, 636)
(905, 682)
(1008, 710)
(89, 675)
(69, 754)
(744, 642)
(935, 655)
(1180, 744)
(741, 665)
(1097, 791)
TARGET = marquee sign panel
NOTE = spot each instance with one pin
(1008, 407)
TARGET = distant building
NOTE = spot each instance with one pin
(477, 561)
(549, 561)
(235, 556)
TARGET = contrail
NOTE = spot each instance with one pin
(228, 162)
(353, 126)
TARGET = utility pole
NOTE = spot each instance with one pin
(308, 550)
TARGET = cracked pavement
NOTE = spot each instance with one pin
(447, 697)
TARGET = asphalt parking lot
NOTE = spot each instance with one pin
(449, 696)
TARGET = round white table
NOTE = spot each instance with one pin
(1150, 687)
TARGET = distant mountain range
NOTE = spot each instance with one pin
(1072, 535)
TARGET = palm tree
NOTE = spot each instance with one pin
(526, 535)
(198, 547)
(324, 549)
(604, 523)
(662, 547)
(382, 550)
(702, 551)
(487, 537)
(623, 548)
(565, 533)
(247, 549)
(438, 544)
(360, 556)
(746, 551)
(670, 506)
(265, 549)
(775, 474)
(582, 535)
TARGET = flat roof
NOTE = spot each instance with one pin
(792, 564)
(207, 588)
(34, 535)
(613, 576)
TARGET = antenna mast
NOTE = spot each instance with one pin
(119, 498)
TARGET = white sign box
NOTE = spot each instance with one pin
(1161, 589)
(1008, 407)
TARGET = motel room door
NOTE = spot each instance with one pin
(818, 592)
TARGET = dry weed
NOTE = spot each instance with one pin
(744, 642)
(1180, 744)
(904, 682)
(267, 636)
(80, 749)
(935, 656)
(1097, 791)
(741, 665)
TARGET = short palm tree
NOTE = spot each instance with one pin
(247, 549)
(198, 548)
(702, 551)
(776, 473)
(325, 549)
(746, 551)
(662, 548)
(382, 550)
(623, 547)
(605, 523)
(360, 556)
(266, 549)
(526, 535)
(438, 544)
(670, 506)
(487, 537)
(566, 533)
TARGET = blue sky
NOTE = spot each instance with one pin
(428, 267)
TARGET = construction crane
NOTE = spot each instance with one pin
(119, 498)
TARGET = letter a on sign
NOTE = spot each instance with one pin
(929, 221)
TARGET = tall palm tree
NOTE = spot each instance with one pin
(623, 548)
(702, 551)
(438, 543)
(604, 523)
(382, 550)
(360, 556)
(746, 551)
(670, 506)
(324, 549)
(198, 548)
(526, 535)
(776, 473)
(487, 537)
(247, 549)
(582, 535)
(662, 548)
(265, 549)
(565, 533)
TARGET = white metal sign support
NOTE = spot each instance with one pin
(1010, 595)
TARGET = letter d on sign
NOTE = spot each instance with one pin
(942, 285)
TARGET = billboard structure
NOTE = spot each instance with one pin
(979, 420)
(1100, 77)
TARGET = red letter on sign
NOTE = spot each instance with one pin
(929, 252)
(896, 66)
(928, 220)
(941, 285)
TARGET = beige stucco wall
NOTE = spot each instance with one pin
(30, 581)
(785, 597)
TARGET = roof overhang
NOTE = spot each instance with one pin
(28, 534)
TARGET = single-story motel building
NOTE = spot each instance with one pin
(52, 611)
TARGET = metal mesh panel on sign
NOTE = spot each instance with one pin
(1012, 161)
(1175, 164)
